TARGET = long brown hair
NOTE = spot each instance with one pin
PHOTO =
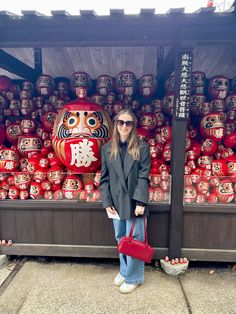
(133, 142)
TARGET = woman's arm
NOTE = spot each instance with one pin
(104, 185)
(141, 190)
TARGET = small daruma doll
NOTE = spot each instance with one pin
(209, 147)
(125, 83)
(168, 104)
(55, 175)
(13, 131)
(148, 121)
(9, 160)
(40, 175)
(44, 85)
(29, 144)
(24, 194)
(80, 129)
(231, 166)
(218, 87)
(147, 85)
(204, 162)
(13, 193)
(104, 84)
(212, 126)
(190, 194)
(219, 168)
(22, 180)
(48, 120)
(170, 84)
(203, 187)
(225, 192)
(27, 126)
(36, 191)
(198, 82)
(71, 187)
(80, 80)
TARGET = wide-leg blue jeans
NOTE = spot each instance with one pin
(130, 268)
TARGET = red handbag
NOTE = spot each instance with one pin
(136, 248)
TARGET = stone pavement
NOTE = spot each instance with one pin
(75, 286)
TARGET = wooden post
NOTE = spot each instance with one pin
(183, 69)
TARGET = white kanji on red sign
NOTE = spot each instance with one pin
(82, 154)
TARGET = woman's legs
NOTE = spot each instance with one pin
(130, 268)
(120, 231)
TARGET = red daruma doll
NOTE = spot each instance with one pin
(81, 127)
(190, 194)
(29, 144)
(36, 191)
(212, 126)
(22, 180)
(71, 187)
(55, 175)
(9, 160)
(224, 191)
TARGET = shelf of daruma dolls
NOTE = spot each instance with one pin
(208, 208)
(68, 205)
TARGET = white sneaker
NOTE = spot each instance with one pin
(128, 287)
(119, 279)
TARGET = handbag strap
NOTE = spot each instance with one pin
(145, 228)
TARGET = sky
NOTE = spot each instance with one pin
(102, 7)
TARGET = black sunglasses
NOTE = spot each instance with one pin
(127, 123)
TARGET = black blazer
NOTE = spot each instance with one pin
(120, 187)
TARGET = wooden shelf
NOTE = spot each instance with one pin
(66, 205)
(70, 250)
(217, 208)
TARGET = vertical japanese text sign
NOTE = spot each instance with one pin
(38, 60)
(183, 84)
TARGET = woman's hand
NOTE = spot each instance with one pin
(139, 210)
(111, 210)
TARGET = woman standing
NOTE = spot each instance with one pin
(124, 187)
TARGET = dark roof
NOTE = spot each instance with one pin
(109, 44)
(32, 28)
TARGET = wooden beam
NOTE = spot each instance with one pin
(13, 65)
(224, 209)
(165, 29)
(97, 251)
(177, 164)
(183, 69)
(209, 255)
(204, 34)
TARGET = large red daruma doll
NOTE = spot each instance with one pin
(80, 129)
